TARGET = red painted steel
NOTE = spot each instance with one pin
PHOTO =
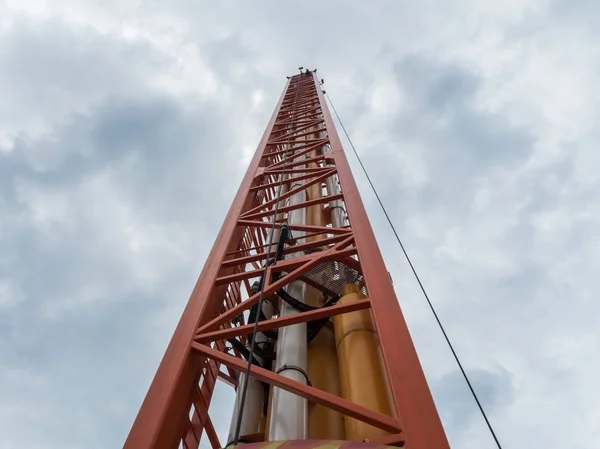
(175, 411)
(320, 397)
(414, 403)
(276, 323)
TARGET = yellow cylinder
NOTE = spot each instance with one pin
(314, 214)
(362, 375)
(323, 372)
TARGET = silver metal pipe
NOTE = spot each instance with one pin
(255, 396)
(288, 410)
(338, 212)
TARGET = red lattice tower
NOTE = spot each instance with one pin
(301, 150)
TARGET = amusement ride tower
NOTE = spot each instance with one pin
(295, 310)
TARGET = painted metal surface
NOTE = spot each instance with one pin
(175, 411)
(287, 420)
(322, 422)
(253, 420)
(363, 379)
(414, 403)
(313, 444)
(341, 405)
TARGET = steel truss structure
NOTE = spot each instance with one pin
(175, 411)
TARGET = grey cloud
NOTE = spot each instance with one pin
(495, 284)
(54, 69)
(93, 308)
(495, 390)
(458, 144)
(166, 155)
(434, 87)
(106, 219)
(443, 111)
(67, 59)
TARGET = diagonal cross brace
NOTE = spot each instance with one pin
(379, 420)
(276, 323)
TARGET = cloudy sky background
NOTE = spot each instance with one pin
(126, 127)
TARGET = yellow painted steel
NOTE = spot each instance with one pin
(362, 373)
(323, 371)
(323, 423)
(315, 215)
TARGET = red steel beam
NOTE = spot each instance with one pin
(289, 250)
(276, 183)
(301, 108)
(290, 165)
(163, 420)
(325, 173)
(310, 122)
(413, 400)
(281, 265)
(162, 415)
(307, 228)
(295, 156)
(232, 313)
(201, 397)
(295, 170)
(261, 248)
(293, 133)
(281, 210)
(274, 243)
(309, 108)
(227, 379)
(289, 137)
(313, 143)
(315, 395)
(276, 323)
(394, 439)
(307, 262)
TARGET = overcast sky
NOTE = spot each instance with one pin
(126, 127)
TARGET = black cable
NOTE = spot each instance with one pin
(261, 317)
(489, 425)
(315, 326)
(235, 343)
(295, 303)
(262, 287)
(284, 233)
(239, 440)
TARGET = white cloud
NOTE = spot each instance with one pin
(125, 128)
(10, 295)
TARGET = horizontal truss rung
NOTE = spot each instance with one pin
(276, 323)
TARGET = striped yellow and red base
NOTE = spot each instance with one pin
(312, 444)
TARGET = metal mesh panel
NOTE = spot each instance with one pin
(333, 275)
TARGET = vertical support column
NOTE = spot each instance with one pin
(322, 422)
(336, 208)
(255, 397)
(288, 410)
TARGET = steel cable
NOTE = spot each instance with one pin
(487, 421)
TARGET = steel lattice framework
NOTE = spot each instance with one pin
(175, 411)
